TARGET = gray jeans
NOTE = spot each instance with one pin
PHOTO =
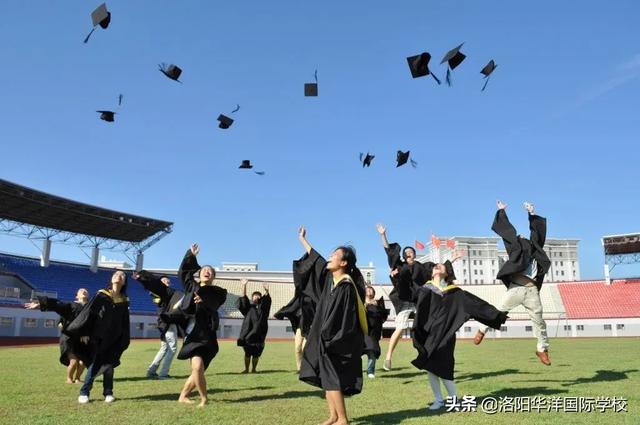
(168, 349)
(529, 298)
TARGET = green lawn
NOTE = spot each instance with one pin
(32, 388)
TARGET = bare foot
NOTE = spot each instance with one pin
(203, 402)
(329, 421)
(341, 422)
(69, 381)
(185, 400)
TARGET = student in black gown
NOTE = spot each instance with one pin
(442, 308)
(254, 326)
(299, 311)
(332, 356)
(404, 271)
(201, 302)
(376, 316)
(103, 329)
(164, 296)
(68, 345)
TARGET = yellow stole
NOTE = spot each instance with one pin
(362, 312)
(116, 300)
(445, 289)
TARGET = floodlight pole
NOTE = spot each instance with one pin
(46, 253)
(95, 252)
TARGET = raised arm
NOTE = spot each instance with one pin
(189, 266)
(64, 310)
(383, 235)
(151, 283)
(537, 226)
(504, 228)
(265, 301)
(302, 237)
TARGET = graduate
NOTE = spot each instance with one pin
(103, 330)
(200, 303)
(332, 355)
(405, 270)
(68, 345)
(254, 326)
(164, 296)
(299, 311)
(523, 273)
(376, 316)
(442, 308)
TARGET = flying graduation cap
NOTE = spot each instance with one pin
(403, 157)
(487, 71)
(453, 58)
(246, 165)
(366, 159)
(419, 66)
(107, 116)
(311, 89)
(171, 71)
(225, 121)
(100, 16)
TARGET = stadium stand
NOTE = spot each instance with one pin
(594, 300)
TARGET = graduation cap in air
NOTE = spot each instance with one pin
(453, 58)
(366, 159)
(311, 89)
(419, 66)
(225, 121)
(107, 116)
(171, 71)
(246, 164)
(100, 16)
(403, 157)
(487, 71)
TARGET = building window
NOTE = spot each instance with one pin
(467, 328)
(474, 262)
(579, 327)
(503, 328)
(152, 325)
(475, 281)
(49, 323)
(480, 261)
(493, 262)
(562, 272)
(528, 328)
(139, 326)
(481, 271)
(289, 329)
(475, 271)
(6, 321)
(620, 326)
(607, 327)
(561, 263)
(567, 327)
(464, 262)
(28, 322)
(560, 254)
(464, 272)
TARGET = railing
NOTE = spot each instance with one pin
(10, 293)
(49, 294)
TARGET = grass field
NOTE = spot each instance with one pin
(32, 388)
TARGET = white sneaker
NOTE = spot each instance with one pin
(109, 399)
(83, 399)
(437, 405)
(371, 375)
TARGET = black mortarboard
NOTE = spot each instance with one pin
(106, 115)
(453, 58)
(487, 70)
(366, 160)
(246, 164)
(172, 71)
(225, 121)
(311, 89)
(403, 157)
(419, 66)
(100, 16)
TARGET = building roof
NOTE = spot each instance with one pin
(29, 206)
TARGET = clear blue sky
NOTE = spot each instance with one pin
(557, 125)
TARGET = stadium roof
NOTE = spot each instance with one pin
(25, 205)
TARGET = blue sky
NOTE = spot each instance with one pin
(557, 125)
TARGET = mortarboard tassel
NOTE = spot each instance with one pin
(414, 164)
(86, 40)
(485, 84)
(237, 109)
(436, 78)
(448, 78)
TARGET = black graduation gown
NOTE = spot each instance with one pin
(201, 340)
(299, 311)
(439, 315)
(255, 324)
(407, 274)
(163, 296)
(67, 312)
(522, 251)
(332, 355)
(106, 323)
(376, 316)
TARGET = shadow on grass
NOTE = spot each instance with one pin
(600, 376)
(144, 378)
(482, 375)
(524, 392)
(405, 375)
(398, 417)
(259, 372)
(283, 396)
(210, 391)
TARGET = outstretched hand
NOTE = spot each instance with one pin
(458, 254)
(137, 275)
(265, 287)
(195, 249)
(529, 207)
(501, 205)
(32, 305)
(302, 232)
(381, 229)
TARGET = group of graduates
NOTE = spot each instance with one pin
(334, 314)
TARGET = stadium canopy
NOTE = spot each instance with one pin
(37, 215)
(620, 249)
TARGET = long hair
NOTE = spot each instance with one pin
(349, 255)
(404, 255)
(123, 290)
